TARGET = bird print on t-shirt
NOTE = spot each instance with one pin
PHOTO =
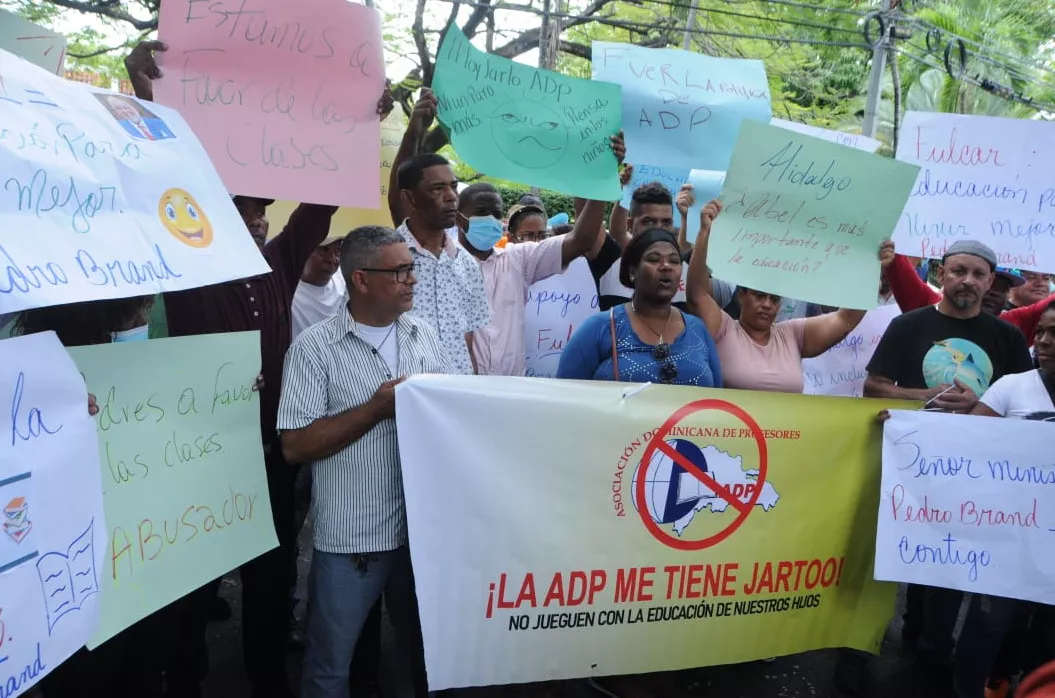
(958, 359)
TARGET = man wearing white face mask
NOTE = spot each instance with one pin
(510, 271)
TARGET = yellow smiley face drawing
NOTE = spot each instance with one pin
(183, 217)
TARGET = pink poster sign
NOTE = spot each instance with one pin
(282, 95)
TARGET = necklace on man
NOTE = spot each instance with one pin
(377, 350)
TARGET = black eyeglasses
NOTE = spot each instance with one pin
(668, 370)
(402, 273)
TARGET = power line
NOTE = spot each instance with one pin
(650, 28)
(985, 84)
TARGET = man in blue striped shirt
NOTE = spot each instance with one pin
(337, 415)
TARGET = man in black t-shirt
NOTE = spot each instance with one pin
(948, 355)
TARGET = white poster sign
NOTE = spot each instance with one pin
(54, 535)
(106, 197)
(966, 504)
(33, 42)
(555, 308)
(841, 371)
(982, 178)
(854, 140)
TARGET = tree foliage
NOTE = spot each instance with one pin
(817, 52)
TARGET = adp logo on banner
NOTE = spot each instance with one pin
(710, 456)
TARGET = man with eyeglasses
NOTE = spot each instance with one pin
(947, 355)
(337, 414)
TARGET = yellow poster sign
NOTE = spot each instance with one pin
(616, 531)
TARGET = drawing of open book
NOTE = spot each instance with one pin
(67, 579)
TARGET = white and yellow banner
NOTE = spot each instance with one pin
(564, 529)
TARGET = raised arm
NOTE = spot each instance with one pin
(686, 200)
(823, 332)
(619, 218)
(1027, 317)
(910, 291)
(583, 237)
(143, 69)
(420, 120)
(698, 284)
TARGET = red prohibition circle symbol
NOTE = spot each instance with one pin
(658, 443)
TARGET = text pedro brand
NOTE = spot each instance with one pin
(697, 591)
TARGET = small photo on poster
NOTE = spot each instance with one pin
(18, 544)
(137, 120)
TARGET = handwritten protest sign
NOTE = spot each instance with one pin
(841, 371)
(184, 488)
(555, 308)
(54, 535)
(346, 219)
(682, 109)
(804, 218)
(670, 178)
(33, 42)
(706, 185)
(853, 140)
(121, 199)
(965, 504)
(983, 178)
(284, 95)
(528, 125)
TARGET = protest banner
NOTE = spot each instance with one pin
(184, 487)
(671, 178)
(54, 533)
(525, 124)
(841, 371)
(682, 109)
(624, 525)
(853, 140)
(804, 217)
(555, 308)
(121, 199)
(347, 219)
(965, 505)
(33, 42)
(982, 178)
(707, 185)
(283, 95)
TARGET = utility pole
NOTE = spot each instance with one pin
(548, 42)
(875, 79)
(690, 25)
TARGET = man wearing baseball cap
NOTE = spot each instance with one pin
(946, 355)
(911, 292)
(321, 291)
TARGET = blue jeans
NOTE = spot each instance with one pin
(343, 589)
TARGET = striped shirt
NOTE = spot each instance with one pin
(357, 493)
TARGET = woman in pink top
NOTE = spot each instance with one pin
(757, 354)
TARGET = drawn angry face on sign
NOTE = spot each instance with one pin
(530, 134)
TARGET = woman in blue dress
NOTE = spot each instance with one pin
(653, 341)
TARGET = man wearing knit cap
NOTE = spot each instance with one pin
(946, 356)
